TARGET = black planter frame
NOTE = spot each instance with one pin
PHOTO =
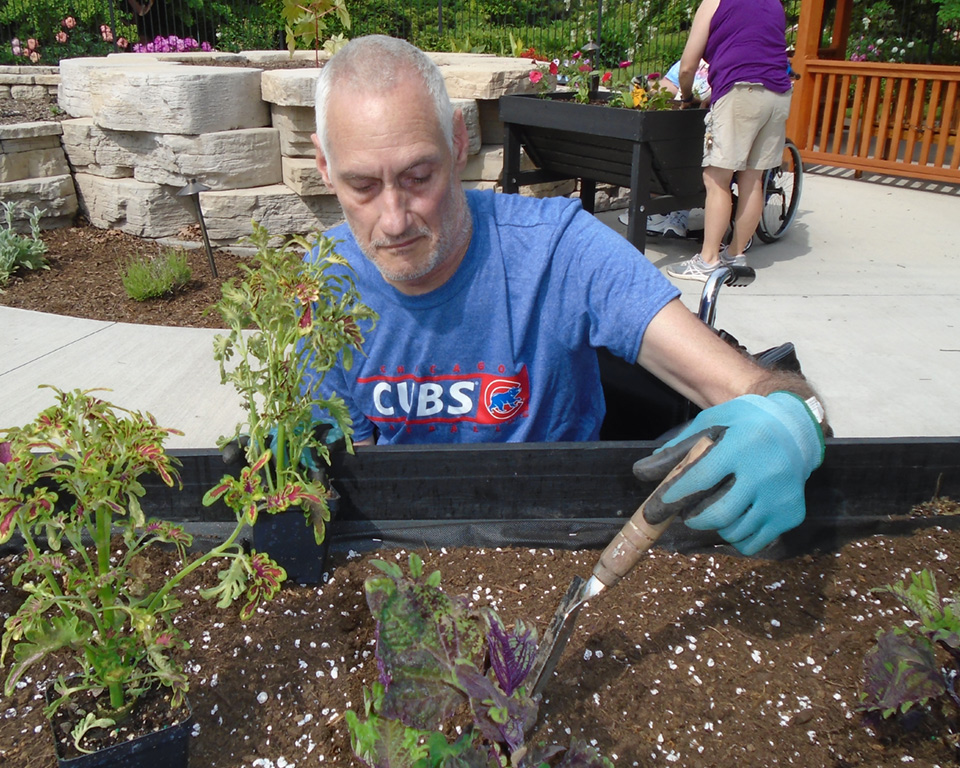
(657, 154)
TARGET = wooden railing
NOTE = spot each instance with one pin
(898, 119)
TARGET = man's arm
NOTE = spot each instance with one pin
(682, 351)
(767, 435)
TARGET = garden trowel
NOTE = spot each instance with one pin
(617, 560)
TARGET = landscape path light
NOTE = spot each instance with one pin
(193, 190)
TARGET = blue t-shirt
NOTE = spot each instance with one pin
(505, 349)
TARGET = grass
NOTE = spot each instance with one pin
(147, 277)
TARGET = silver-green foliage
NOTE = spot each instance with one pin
(146, 277)
(20, 251)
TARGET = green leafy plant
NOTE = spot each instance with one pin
(19, 251)
(919, 663)
(304, 21)
(290, 320)
(147, 277)
(72, 476)
(437, 657)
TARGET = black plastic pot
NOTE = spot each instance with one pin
(289, 540)
(167, 748)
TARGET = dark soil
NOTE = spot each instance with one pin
(85, 279)
(693, 660)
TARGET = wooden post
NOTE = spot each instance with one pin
(809, 30)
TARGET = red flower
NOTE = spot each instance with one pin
(625, 64)
(576, 55)
(554, 68)
(607, 77)
(536, 76)
(584, 68)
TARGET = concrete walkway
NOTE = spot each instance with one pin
(866, 285)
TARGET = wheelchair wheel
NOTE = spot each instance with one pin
(781, 193)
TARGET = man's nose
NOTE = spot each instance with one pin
(393, 216)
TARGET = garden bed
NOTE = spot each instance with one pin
(694, 659)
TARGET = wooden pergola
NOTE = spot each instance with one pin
(893, 118)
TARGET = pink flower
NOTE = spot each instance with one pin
(122, 43)
(653, 76)
(107, 36)
(34, 57)
(576, 55)
(31, 44)
(536, 76)
(607, 77)
(625, 64)
(61, 36)
(15, 46)
(69, 22)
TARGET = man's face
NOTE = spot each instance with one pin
(398, 182)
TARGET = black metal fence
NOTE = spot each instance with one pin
(651, 32)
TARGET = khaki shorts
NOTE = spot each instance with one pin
(746, 128)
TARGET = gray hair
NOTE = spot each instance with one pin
(376, 62)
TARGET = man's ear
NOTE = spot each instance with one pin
(461, 140)
(322, 164)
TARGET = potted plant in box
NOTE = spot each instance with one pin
(289, 321)
(649, 147)
(73, 477)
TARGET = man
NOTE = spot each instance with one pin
(492, 306)
(745, 43)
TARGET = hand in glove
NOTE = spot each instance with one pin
(749, 485)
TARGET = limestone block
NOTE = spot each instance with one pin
(479, 76)
(33, 164)
(483, 185)
(223, 160)
(487, 164)
(186, 57)
(135, 207)
(295, 124)
(270, 57)
(562, 188)
(228, 215)
(73, 95)
(55, 196)
(303, 177)
(177, 99)
(91, 149)
(31, 151)
(471, 117)
(491, 127)
(289, 87)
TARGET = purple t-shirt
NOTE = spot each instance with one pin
(747, 44)
(504, 351)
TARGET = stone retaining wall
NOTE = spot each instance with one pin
(142, 126)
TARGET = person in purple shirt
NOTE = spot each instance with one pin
(744, 42)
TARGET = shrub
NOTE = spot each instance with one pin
(20, 251)
(146, 277)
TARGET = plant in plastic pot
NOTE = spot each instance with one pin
(289, 322)
(70, 486)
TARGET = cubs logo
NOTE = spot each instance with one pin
(503, 398)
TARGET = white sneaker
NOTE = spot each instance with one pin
(656, 224)
(675, 224)
(695, 219)
(692, 269)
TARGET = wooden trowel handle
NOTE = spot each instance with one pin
(637, 536)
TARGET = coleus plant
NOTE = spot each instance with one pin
(437, 657)
(917, 664)
(71, 477)
(289, 322)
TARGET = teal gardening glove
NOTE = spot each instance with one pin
(749, 485)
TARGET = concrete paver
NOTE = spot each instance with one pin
(866, 285)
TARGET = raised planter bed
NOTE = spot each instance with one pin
(698, 658)
(655, 153)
